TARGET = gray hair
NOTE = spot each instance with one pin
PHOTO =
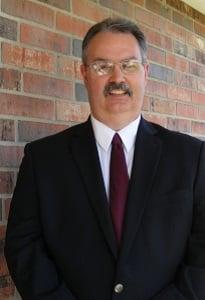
(116, 25)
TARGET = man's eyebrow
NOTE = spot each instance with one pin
(107, 59)
(101, 59)
(131, 57)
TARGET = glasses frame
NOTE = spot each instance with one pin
(120, 63)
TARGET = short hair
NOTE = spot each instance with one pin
(116, 25)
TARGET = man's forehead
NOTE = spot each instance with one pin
(113, 34)
(113, 44)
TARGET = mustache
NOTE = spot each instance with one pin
(122, 86)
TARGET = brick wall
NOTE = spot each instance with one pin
(41, 90)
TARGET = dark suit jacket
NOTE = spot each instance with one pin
(60, 243)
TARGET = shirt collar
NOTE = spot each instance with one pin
(104, 134)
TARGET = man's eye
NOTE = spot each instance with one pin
(105, 66)
(130, 66)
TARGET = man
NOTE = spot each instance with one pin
(72, 235)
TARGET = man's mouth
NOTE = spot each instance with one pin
(117, 92)
(121, 88)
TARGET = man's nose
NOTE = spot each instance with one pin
(117, 74)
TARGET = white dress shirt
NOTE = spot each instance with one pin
(104, 135)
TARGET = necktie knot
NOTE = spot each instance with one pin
(116, 140)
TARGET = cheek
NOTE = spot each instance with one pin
(138, 85)
(96, 87)
(95, 96)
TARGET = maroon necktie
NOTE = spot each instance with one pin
(119, 180)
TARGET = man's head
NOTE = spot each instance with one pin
(115, 71)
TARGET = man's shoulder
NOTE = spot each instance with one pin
(61, 138)
(171, 136)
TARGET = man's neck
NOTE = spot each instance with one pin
(116, 124)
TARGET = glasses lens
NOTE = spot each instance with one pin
(106, 67)
(130, 66)
(102, 67)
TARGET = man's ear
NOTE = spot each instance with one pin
(83, 72)
(147, 69)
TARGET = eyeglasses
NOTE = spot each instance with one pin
(106, 67)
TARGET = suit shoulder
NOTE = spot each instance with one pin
(176, 137)
(57, 139)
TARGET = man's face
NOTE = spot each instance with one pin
(114, 104)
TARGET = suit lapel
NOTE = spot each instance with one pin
(86, 156)
(146, 158)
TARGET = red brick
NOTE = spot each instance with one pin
(159, 8)
(200, 56)
(187, 110)
(38, 60)
(199, 29)
(2, 236)
(6, 182)
(10, 79)
(158, 39)
(201, 85)
(7, 203)
(139, 2)
(43, 85)
(186, 81)
(144, 16)
(182, 20)
(157, 88)
(175, 31)
(197, 69)
(8, 287)
(63, 4)
(161, 120)
(11, 54)
(3, 267)
(198, 98)
(29, 10)
(28, 58)
(89, 10)
(156, 55)
(198, 128)
(181, 125)
(71, 25)
(184, 50)
(10, 156)
(72, 111)
(146, 104)
(202, 113)
(119, 6)
(163, 107)
(177, 93)
(7, 130)
(44, 39)
(177, 63)
(26, 106)
(28, 131)
(195, 41)
(65, 66)
(6, 284)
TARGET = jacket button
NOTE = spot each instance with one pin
(118, 288)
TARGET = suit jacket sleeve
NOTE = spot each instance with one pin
(29, 261)
(189, 283)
